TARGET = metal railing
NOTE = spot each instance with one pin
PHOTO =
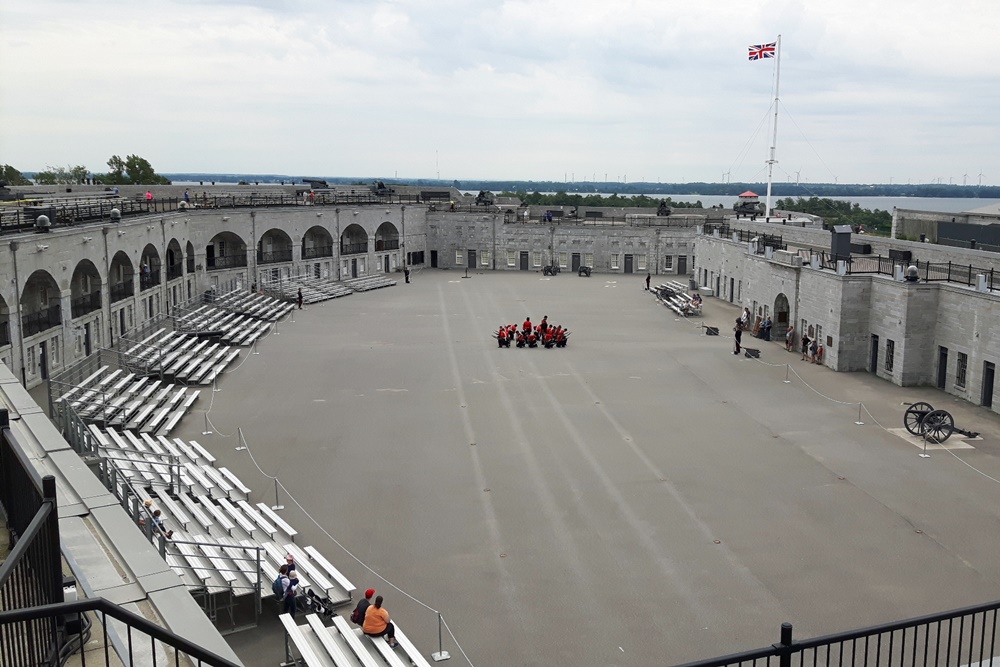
(85, 304)
(386, 244)
(141, 639)
(32, 573)
(966, 636)
(42, 320)
(148, 279)
(190, 264)
(962, 274)
(227, 262)
(174, 271)
(317, 251)
(274, 256)
(122, 290)
(4, 332)
(353, 248)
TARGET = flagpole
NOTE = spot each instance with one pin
(774, 135)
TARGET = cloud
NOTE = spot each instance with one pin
(514, 89)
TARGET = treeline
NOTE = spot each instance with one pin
(615, 200)
(133, 170)
(836, 212)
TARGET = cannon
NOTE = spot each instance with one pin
(550, 270)
(584, 271)
(921, 419)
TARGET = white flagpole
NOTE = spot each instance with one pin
(774, 136)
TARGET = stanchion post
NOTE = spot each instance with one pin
(786, 380)
(441, 654)
(924, 454)
(859, 422)
(207, 430)
(253, 348)
(277, 507)
(215, 385)
(243, 445)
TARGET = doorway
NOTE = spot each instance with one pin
(434, 259)
(628, 263)
(718, 287)
(576, 262)
(682, 265)
(988, 371)
(121, 322)
(354, 267)
(732, 290)
(471, 257)
(873, 356)
(43, 360)
(86, 339)
(781, 318)
(942, 375)
(385, 267)
(524, 260)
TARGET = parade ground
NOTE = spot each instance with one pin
(641, 497)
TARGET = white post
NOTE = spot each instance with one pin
(774, 136)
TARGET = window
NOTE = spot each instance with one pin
(614, 260)
(511, 258)
(459, 257)
(222, 248)
(563, 259)
(668, 262)
(960, 369)
(537, 258)
(642, 262)
(588, 259)
(55, 350)
(485, 258)
(890, 353)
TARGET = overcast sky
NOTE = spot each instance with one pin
(657, 90)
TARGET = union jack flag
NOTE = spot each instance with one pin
(758, 51)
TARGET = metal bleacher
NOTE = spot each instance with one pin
(338, 644)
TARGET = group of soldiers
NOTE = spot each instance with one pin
(529, 335)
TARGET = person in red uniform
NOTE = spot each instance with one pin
(527, 325)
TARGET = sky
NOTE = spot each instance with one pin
(577, 90)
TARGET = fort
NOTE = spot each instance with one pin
(642, 492)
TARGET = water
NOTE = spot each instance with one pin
(940, 204)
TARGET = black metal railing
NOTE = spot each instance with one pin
(227, 262)
(32, 573)
(962, 274)
(80, 306)
(123, 290)
(747, 235)
(317, 251)
(4, 332)
(39, 321)
(148, 279)
(274, 256)
(175, 271)
(353, 248)
(386, 244)
(142, 639)
(190, 264)
(958, 637)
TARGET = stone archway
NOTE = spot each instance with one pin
(781, 319)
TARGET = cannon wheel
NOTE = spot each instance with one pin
(938, 425)
(914, 415)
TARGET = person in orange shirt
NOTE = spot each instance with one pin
(377, 623)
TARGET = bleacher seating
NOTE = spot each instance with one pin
(674, 295)
(259, 306)
(342, 645)
(314, 290)
(216, 530)
(369, 283)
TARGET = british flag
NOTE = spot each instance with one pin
(758, 51)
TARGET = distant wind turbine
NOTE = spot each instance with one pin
(980, 177)
(965, 178)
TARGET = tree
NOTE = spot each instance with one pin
(62, 175)
(12, 176)
(132, 170)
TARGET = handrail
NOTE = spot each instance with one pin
(129, 618)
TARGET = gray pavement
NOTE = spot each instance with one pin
(640, 497)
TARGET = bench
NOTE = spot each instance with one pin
(217, 514)
(177, 515)
(203, 519)
(309, 656)
(215, 558)
(202, 452)
(217, 478)
(305, 567)
(277, 558)
(255, 516)
(353, 639)
(235, 481)
(197, 565)
(244, 562)
(278, 521)
(237, 516)
(334, 573)
(330, 645)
